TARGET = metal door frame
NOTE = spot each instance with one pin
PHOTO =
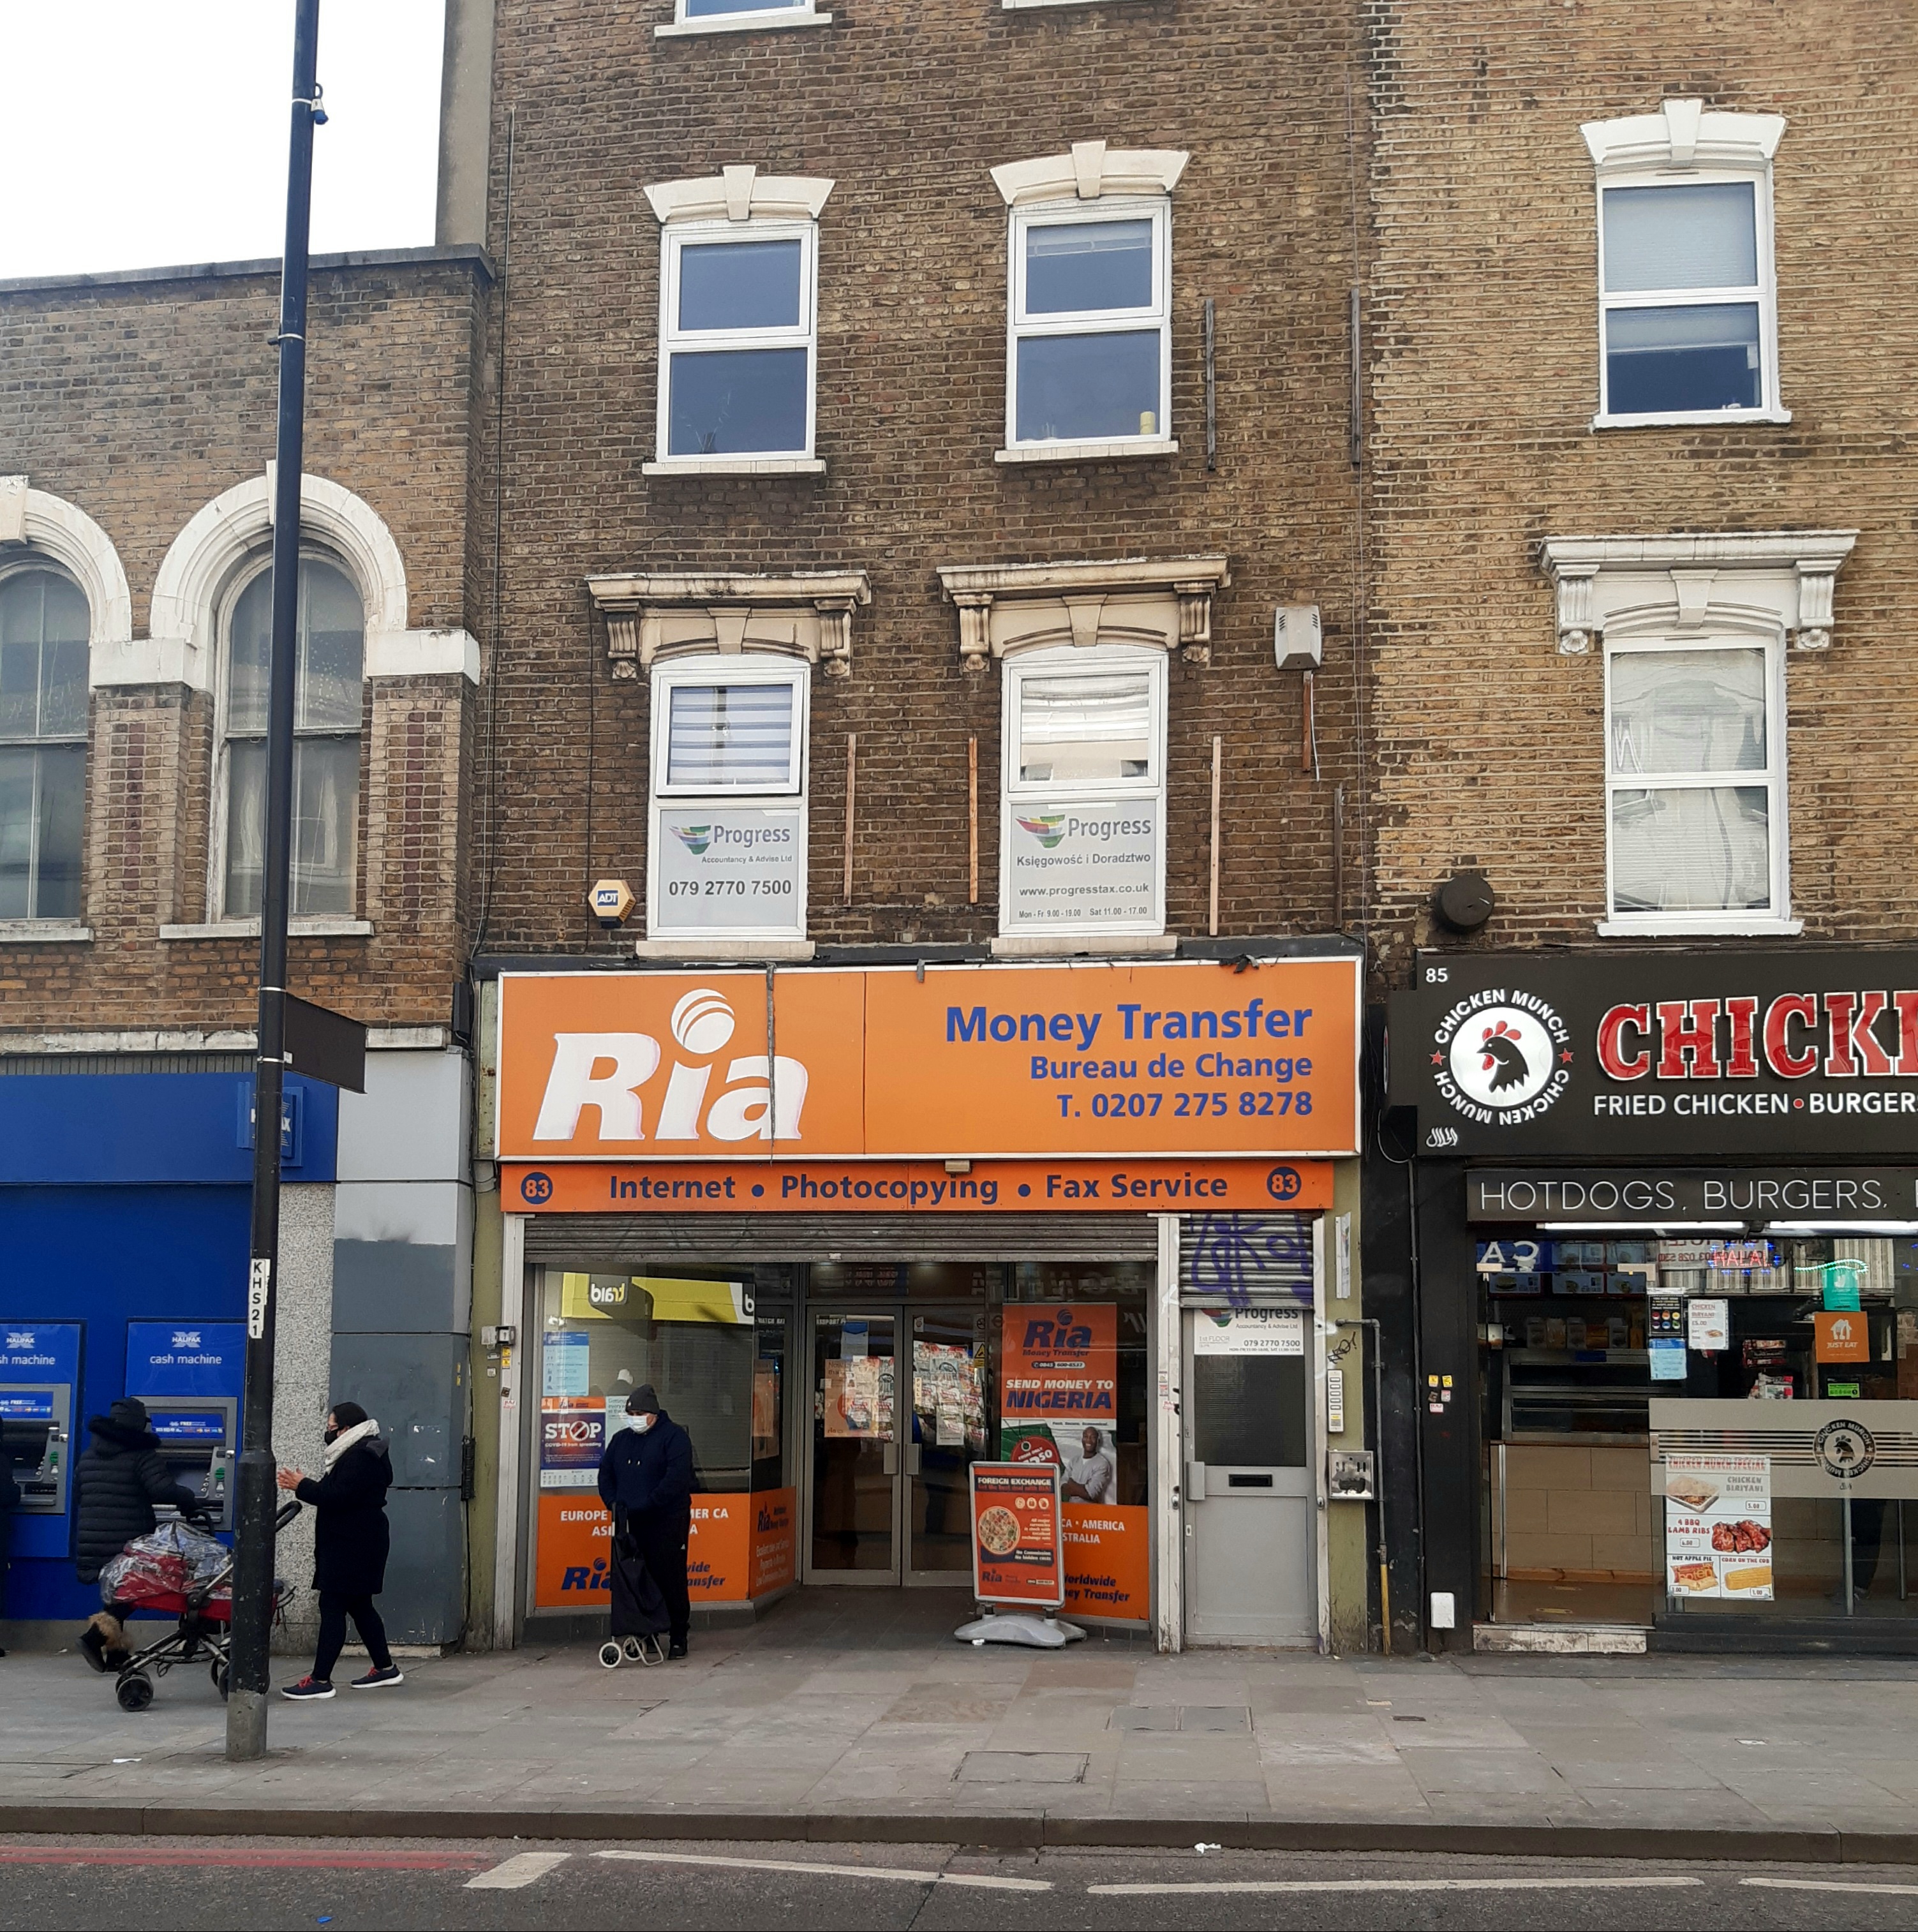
(911, 1579)
(902, 1576)
(868, 1309)
(1316, 1550)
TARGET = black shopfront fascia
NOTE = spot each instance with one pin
(1651, 1090)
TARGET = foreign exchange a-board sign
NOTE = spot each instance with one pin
(1017, 1534)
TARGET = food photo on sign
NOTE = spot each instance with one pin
(1018, 1549)
(1718, 1527)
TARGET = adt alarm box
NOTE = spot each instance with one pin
(40, 1375)
(190, 1375)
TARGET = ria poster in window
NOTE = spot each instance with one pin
(1058, 1390)
(722, 869)
(1084, 866)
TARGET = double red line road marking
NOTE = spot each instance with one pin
(253, 1857)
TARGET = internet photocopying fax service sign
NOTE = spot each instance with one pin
(1691, 1056)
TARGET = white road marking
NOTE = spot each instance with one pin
(1399, 1884)
(1829, 1885)
(980, 1880)
(521, 1869)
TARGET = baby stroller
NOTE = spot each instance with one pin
(639, 1610)
(182, 1571)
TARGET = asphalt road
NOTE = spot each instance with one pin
(247, 1883)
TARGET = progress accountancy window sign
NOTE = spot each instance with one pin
(958, 1062)
(1691, 1056)
(1082, 840)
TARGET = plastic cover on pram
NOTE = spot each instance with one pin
(175, 1562)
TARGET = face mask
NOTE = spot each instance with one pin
(331, 1435)
(642, 1423)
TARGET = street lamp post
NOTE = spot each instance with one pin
(253, 1568)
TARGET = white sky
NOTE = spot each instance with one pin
(145, 133)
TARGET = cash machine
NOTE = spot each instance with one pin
(190, 1375)
(40, 1377)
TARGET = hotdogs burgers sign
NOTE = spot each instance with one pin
(1688, 1055)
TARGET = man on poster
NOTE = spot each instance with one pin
(1090, 1477)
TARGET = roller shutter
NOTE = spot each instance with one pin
(628, 1243)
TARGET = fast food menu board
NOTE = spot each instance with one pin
(1718, 1527)
(1017, 1534)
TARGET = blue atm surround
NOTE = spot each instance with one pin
(191, 1374)
(40, 1388)
(124, 1201)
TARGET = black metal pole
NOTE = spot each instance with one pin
(255, 1498)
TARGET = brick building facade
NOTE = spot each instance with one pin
(1637, 553)
(136, 415)
(966, 199)
(912, 281)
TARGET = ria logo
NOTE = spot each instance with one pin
(186, 1338)
(761, 1099)
(695, 838)
(1048, 827)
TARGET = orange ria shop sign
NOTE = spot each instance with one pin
(1176, 1060)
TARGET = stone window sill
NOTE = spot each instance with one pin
(772, 18)
(705, 948)
(735, 465)
(44, 932)
(1730, 926)
(1088, 452)
(316, 927)
(1067, 945)
(1689, 419)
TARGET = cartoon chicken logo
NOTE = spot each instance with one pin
(1504, 1059)
(1503, 1056)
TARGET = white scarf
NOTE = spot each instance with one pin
(347, 1438)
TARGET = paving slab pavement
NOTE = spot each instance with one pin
(840, 1715)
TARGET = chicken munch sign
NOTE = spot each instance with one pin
(1171, 1060)
(1643, 1054)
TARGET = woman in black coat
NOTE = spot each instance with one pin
(350, 1545)
(119, 1478)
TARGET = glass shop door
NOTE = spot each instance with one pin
(853, 1472)
(899, 1418)
(945, 1436)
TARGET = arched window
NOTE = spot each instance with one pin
(332, 644)
(44, 625)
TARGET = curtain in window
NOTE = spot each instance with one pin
(43, 628)
(330, 655)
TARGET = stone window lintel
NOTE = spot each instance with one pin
(1166, 604)
(808, 615)
(1759, 582)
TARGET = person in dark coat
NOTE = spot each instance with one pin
(9, 1500)
(646, 1476)
(350, 1540)
(118, 1480)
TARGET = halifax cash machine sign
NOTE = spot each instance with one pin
(1673, 1056)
